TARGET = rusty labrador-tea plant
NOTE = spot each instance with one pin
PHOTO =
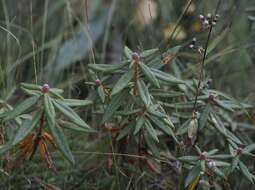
(178, 129)
(164, 119)
(39, 123)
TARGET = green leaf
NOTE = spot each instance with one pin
(101, 93)
(188, 158)
(31, 92)
(166, 77)
(151, 130)
(139, 124)
(60, 140)
(22, 107)
(49, 110)
(125, 131)
(162, 126)
(193, 174)
(123, 82)
(151, 144)
(149, 74)
(223, 105)
(143, 92)
(249, 148)
(31, 86)
(149, 52)
(204, 117)
(128, 53)
(246, 172)
(26, 127)
(55, 92)
(69, 113)
(165, 93)
(234, 163)
(115, 103)
(154, 110)
(76, 103)
(220, 156)
(219, 172)
(74, 127)
(107, 68)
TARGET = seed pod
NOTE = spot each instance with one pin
(192, 130)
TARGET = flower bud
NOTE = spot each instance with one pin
(45, 88)
(98, 82)
(136, 56)
(210, 98)
(211, 164)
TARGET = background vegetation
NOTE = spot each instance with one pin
(53, 42)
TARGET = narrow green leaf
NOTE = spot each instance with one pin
(188, 158)
(115, 103)
(60, 140)
(149, 74)
(101, 93)
(76, 103)
(49, 109)
(249, 148)
(128, 52)
(31, 92)
(139, 124)
(162, 126)
(72, 126)
(55, 92)
(234, 163)
(154, 110)
(166, 77)
(123, 82)
(204, 117)
(149, 52)
(69, 113)
(144, 93)
(26, 127)
(125, 131)
(223, 105)
(151, 130)
(107, 68)
(220, 156)
(246, 172)
(22, 107)
(151, 144)
(193, 174)
(219, 172)
(31, 86)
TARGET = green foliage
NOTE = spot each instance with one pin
(157, 118)
(41, 116)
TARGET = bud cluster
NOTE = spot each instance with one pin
(209, 20)
(195, 47)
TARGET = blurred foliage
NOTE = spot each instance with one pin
(54, 42)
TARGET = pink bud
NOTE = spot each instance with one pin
(98, 82)
(135, 56)
(45, 88)
(210, 98)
